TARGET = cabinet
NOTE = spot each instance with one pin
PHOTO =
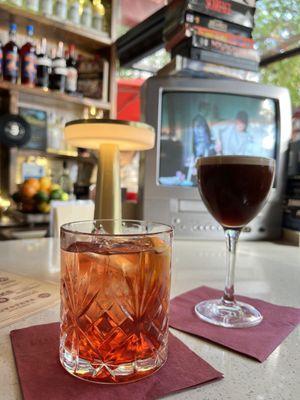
(88, 42)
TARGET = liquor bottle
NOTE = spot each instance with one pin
(72, 71)
(59, 70)
(32, 5)
(43, 63)
(46, 7)
(73, 11)
(86, 16)
(98, 15)
(60, 9)
(28, 59)
(11, 57)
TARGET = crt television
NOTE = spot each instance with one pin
(200, 117)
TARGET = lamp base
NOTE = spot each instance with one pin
(108, 203)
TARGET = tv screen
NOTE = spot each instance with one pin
(197, 124)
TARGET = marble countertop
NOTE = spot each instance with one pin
(264, 270)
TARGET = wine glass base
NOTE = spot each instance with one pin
(228, 314)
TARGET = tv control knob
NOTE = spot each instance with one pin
(176, 221)
(183, 227)
(212, 228)
(200, 227)
(207, 227)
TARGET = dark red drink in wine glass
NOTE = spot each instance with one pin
(234, 189)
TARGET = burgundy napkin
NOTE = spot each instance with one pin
(42, 377)
(257, 341)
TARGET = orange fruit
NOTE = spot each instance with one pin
(45, 183)
(33, 182)
(28, 190)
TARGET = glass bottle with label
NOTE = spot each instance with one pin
(60, 9)
(11, 56)
(32, 5)
(86, 16)
(43, 63)
(72, 71)
(74, 11)
(98, 15)
(28, 59)
(46, 7)
(59, 70)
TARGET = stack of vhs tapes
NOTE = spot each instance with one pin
(214, 32)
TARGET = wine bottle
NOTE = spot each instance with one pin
(59, 70)
(28, 59)
(11, 56)
(72, 71)
(43, 65)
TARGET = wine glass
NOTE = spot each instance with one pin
(234, 189)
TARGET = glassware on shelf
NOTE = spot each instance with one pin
(46, 7)
(55, 133)
(234, 190)
(18, 3)
(86, 13)
(74, 11)
(60, 9)
(31, 5)
(65, 180)
(98, 15)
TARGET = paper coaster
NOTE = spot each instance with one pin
(257, 342)
(42, 376)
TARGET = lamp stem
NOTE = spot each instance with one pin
(108, 190)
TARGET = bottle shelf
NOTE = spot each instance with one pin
(56, 96)
(52, 28)
(51, 153)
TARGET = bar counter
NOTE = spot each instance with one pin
(265, 270)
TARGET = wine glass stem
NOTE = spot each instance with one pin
(231, 236)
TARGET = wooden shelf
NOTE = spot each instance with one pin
(54, 96)
(53, 154)
(52, 28)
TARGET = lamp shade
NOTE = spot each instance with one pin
(92, 133)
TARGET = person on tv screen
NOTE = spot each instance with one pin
(202, 140)
(233, 137)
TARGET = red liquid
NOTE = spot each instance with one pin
(114, 307)
(234, 189)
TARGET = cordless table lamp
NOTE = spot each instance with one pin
(109, 137)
